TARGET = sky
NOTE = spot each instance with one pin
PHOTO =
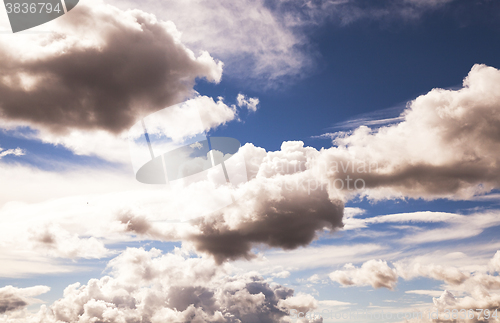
(367, 182)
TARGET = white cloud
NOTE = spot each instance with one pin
(14, 299)
(475, 288)
(332, 303)
(58, 242)
(456, 226)
(375, 273)
(282, 274)
(459, 228)
(16, 152)
(247, 35)
(249, 103)
(495, 262)
(446, 146)
(301, 303)
(155, 287)
(450, 275)
(285, 181)
(267, 40)
(90, 209)
(434, 293)
(187, 119)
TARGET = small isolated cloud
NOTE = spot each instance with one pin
(375, 273)
(302, 303)
(445, 300)
(314, 279)
(249, 103)
(282, 274)
(451, 275)
(13, 298)
(332, 303)
(16, 152)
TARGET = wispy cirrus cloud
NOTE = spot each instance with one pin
(271, 37)
(452, 226)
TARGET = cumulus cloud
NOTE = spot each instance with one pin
(13, 298)
(286, 221)
(16, 152)
(155, 287)
(92, 209)
(479, 290)
(284, 206)
(446, 146)
(190, 118)
(375, 273)
(447, 302)
(249, 103)
(273, 210)
(101, 69)
(495, 262)
(451, 275)
(301, 303)
(193, 116)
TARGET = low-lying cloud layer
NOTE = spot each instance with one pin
(480, 289)
(148, 286)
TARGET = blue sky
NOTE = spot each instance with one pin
(297, 83)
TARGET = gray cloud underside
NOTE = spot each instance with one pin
(128, 66)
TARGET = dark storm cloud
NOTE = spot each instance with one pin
(289, 222)
(102, 70)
